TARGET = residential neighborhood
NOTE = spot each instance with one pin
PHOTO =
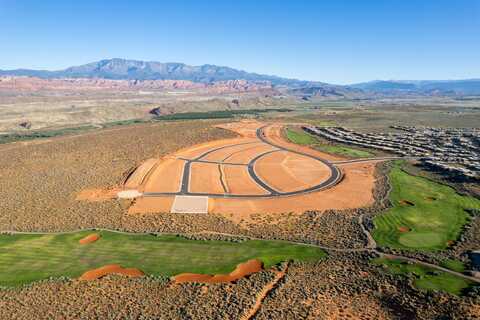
(453, 150)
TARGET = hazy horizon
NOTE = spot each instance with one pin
(253, 71)
(340, 42)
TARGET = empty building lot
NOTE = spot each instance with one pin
(258, 172)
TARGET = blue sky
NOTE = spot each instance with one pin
(332, 41)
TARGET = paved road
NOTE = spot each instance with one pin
(335, 176)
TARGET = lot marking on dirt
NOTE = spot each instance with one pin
(190, 204)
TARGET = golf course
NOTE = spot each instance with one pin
(25, 258)
(425, 278)
(425, 215)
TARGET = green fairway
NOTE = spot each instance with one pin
(425, 215)
(300, 137)
(426, 278)
(303, 138)
(343, 151)
(27, 258)
(454, 265)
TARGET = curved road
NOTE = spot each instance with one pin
(335, 176)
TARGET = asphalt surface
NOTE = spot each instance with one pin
(335, 176)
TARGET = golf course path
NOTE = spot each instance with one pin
(326, 248)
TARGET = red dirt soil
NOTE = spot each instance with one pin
(205, 178)
(355, 190)
(238, 181)
(249, 152)
(110, 269)
(245, 128)
(292, 172)
(287, 171)
(274, 134)
(166, 176)
(137, 177)
(403, 229)
(225, 153)
(89, 239)
(197, 150)
(242, 270)
(151, 205)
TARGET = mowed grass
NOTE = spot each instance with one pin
(27, 258)
(425, 216)
(303, 138)
(300, 137)
(454, 265)
(344, 151)
(426, 278)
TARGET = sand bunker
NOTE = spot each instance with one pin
(403, 229)
(89, 239)
(110, 269)
(242, 270)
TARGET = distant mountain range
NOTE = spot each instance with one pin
(426, 87)
(122, 69)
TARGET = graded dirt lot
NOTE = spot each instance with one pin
(205, 178)
(257, 173)
(275, 134)
(39, 194)
(288, 172)
(40, 182)
(358, 183)
(138, 175)
(247, 153)
(238, 181)
(166, 176)
(99, 162)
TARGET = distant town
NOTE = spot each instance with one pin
(450, 150)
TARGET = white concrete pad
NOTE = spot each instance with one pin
(190, 204)
(129, 194)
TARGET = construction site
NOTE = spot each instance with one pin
(257, 172)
